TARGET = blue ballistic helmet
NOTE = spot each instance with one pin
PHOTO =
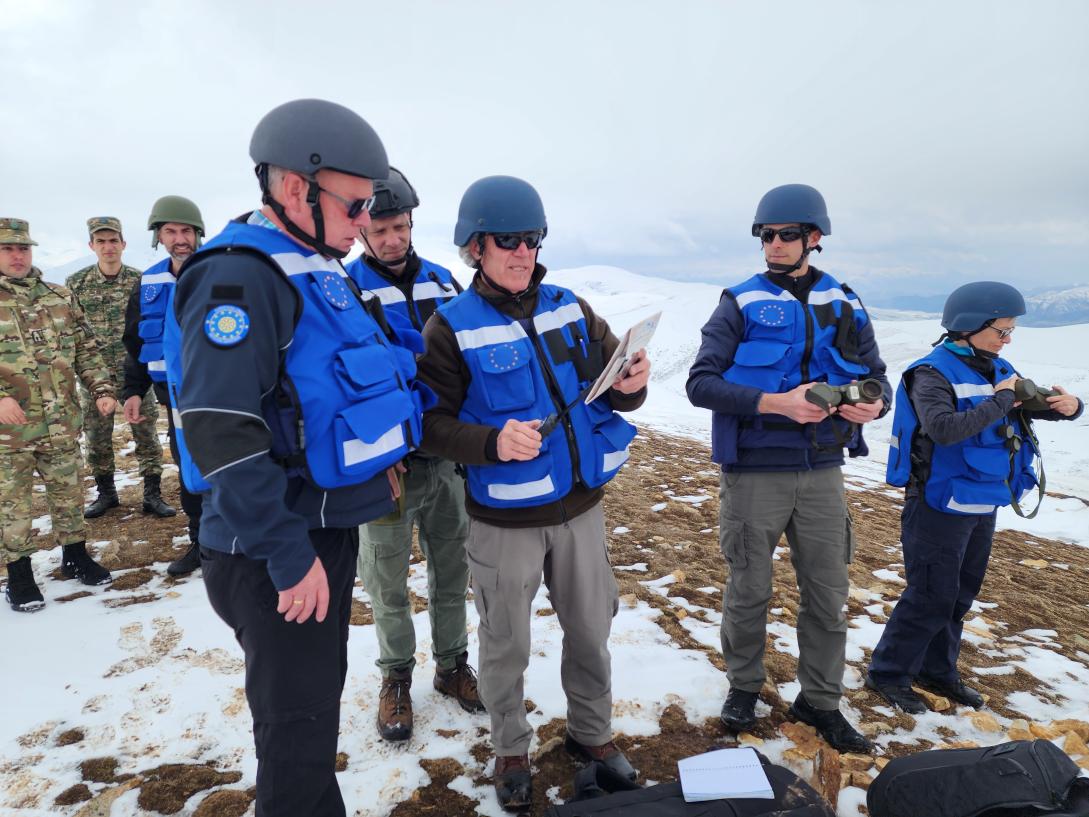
(792, 204)
(499, 204)
(970, 307)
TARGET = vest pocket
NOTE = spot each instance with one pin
(991, 464)
(611, 440)
(151, 330)
(506, 377)
(835, 363)
(366, 441)
(365, 371)
(761, 364)
(515, 484)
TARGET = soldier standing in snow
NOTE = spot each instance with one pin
(175, 222)
(502, 356)
(961, 449)
(433, 501)
(770, 339)
(102, 290)
(45, 347)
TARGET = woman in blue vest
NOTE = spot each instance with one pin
(504, 355)
(962, 450)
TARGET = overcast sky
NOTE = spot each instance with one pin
(950, 139)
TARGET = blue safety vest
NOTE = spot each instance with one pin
(353, 405)
(434, 285)
(527, 370)
(969, 477)
(787, 343)
(156, 284)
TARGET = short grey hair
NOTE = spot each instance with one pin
(466, 254)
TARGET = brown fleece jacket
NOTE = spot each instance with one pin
(443, 369)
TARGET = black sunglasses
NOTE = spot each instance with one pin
(788, 234)
(510, 241)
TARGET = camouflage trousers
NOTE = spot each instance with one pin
(58, 468)
(99, 431)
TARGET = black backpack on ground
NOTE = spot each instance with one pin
(1018, 779)
(793, 798)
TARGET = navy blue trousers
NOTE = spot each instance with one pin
(945, 560)
(294, 674)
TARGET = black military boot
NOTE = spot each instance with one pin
(22, 592)
(188, 561)
(76, 563)
(107, 498)
(153, 499)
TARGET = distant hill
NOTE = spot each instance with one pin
(1060, 308)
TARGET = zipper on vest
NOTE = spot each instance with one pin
(807, 353)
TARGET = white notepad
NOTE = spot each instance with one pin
(724, 773)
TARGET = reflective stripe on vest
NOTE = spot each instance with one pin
(510, 376)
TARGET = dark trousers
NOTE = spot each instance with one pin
(294, 674)
(945, 560)
(191, 503)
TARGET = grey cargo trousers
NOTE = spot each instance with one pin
(507, 565)
(755, 510)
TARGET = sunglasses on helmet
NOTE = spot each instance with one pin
(510, 241)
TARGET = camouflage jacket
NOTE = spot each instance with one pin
(45, 346)
(103, 301)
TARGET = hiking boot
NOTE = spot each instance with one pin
(739, 710)
(607, 754)
(22, 591)
(953, 690)
(830, 725)
(153, 498)
(107, 498)
(187, 562)
(901, 697)
(513, 782)
(395, 706)
(76, 563)
(460, 683)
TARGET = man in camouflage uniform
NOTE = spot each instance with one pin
(102, 291)
(45, 347)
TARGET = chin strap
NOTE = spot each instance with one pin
(313, 193)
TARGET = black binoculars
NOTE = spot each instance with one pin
(827, 395)
(1033, 398)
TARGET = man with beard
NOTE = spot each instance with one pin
(412, 288)
(176, 223)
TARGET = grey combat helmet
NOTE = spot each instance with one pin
(308, 135)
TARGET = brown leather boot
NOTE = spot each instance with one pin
(513, 782)
(395, 706)
(460, 683)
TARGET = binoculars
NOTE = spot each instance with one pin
(827, 395)
(1033, 398)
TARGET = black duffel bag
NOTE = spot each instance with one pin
(793, 798)
(1018, 779)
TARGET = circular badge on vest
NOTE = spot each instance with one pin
(226, 325)
(150, 292)
(504, 357)
(771, 314)
(335, 290)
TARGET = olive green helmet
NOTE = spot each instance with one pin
(176, 209)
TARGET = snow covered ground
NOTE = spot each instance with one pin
(162, 682)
